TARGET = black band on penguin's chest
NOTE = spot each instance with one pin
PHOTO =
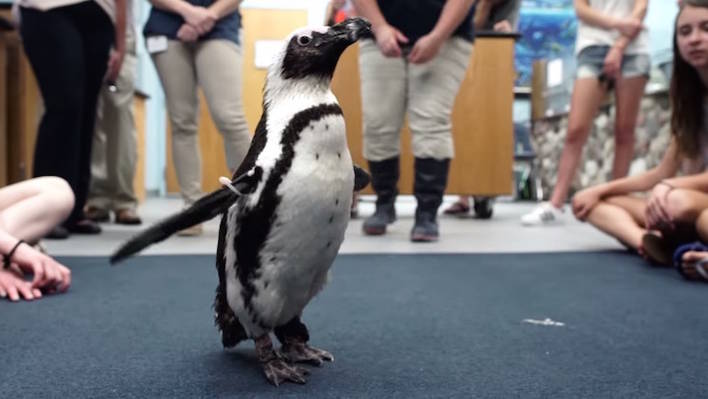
(255, 224)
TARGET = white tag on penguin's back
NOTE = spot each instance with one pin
(156, 44)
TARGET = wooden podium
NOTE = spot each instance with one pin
(482, 119)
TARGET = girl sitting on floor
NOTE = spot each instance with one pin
(28, 211)
(655, 224)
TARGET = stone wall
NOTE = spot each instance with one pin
(651, 140)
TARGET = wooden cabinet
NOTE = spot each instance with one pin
(21, 108)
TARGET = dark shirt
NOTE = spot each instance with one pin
(166, 23)
(508, 10)
(417, 18)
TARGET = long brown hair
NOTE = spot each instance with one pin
(687, 91)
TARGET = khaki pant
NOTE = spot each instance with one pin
(114, 151)
(392, 87)
(216, 67)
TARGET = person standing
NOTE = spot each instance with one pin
(612, 50)
(196, 43)
(67, 43)
(115, 153)
(414, 66)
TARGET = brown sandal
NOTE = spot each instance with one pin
(127, 216)
(98, 215)
(457, 208)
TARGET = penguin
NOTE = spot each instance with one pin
(285, 210)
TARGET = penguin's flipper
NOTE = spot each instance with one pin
(204, 209)
(361, 178)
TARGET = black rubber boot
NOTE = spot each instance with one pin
(429, 187)
(384, 180)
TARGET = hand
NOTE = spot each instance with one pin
(425, 49)
(187, 33)
(115, 62)
(629, 27)
(13, 286)
(200, 18)
(613, 63)
(48, 273)
(657, 213)
(503, 26)
(388, 39)
(584, 201)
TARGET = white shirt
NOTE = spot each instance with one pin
(590, 35)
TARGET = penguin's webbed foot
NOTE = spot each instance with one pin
(277, 370)
(301, 352)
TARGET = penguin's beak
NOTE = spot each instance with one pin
(350, 30)
(319, 53)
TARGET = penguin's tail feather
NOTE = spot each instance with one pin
(204, 209)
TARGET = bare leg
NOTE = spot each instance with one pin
(628, 94)
(621, 217)
(294, 337)
(276, 369)
(702, 226)
(685, 206)
(586, 99)
(32, 208)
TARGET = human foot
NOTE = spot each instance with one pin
(691, 261)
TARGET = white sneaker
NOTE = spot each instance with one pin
(544, 215)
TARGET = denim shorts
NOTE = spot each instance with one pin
(592, 58)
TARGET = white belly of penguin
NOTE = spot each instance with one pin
(309, 228)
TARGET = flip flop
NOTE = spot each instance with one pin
(700, 266)
(457, 208)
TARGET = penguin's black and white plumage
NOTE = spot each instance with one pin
(286, 210)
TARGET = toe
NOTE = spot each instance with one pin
(326, 356)
(278, 371)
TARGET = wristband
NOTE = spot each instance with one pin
(7, 259)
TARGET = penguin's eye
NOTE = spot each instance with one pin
(304, 40)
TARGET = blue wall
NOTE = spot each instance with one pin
(156, 126)
(660, 21)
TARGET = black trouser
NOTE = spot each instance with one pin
(68, 50)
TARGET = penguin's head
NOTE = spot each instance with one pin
(314, 52)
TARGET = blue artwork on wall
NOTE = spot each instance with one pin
(548, 30)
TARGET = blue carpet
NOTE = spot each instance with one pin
(399, 326)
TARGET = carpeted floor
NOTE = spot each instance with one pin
(399, 326)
